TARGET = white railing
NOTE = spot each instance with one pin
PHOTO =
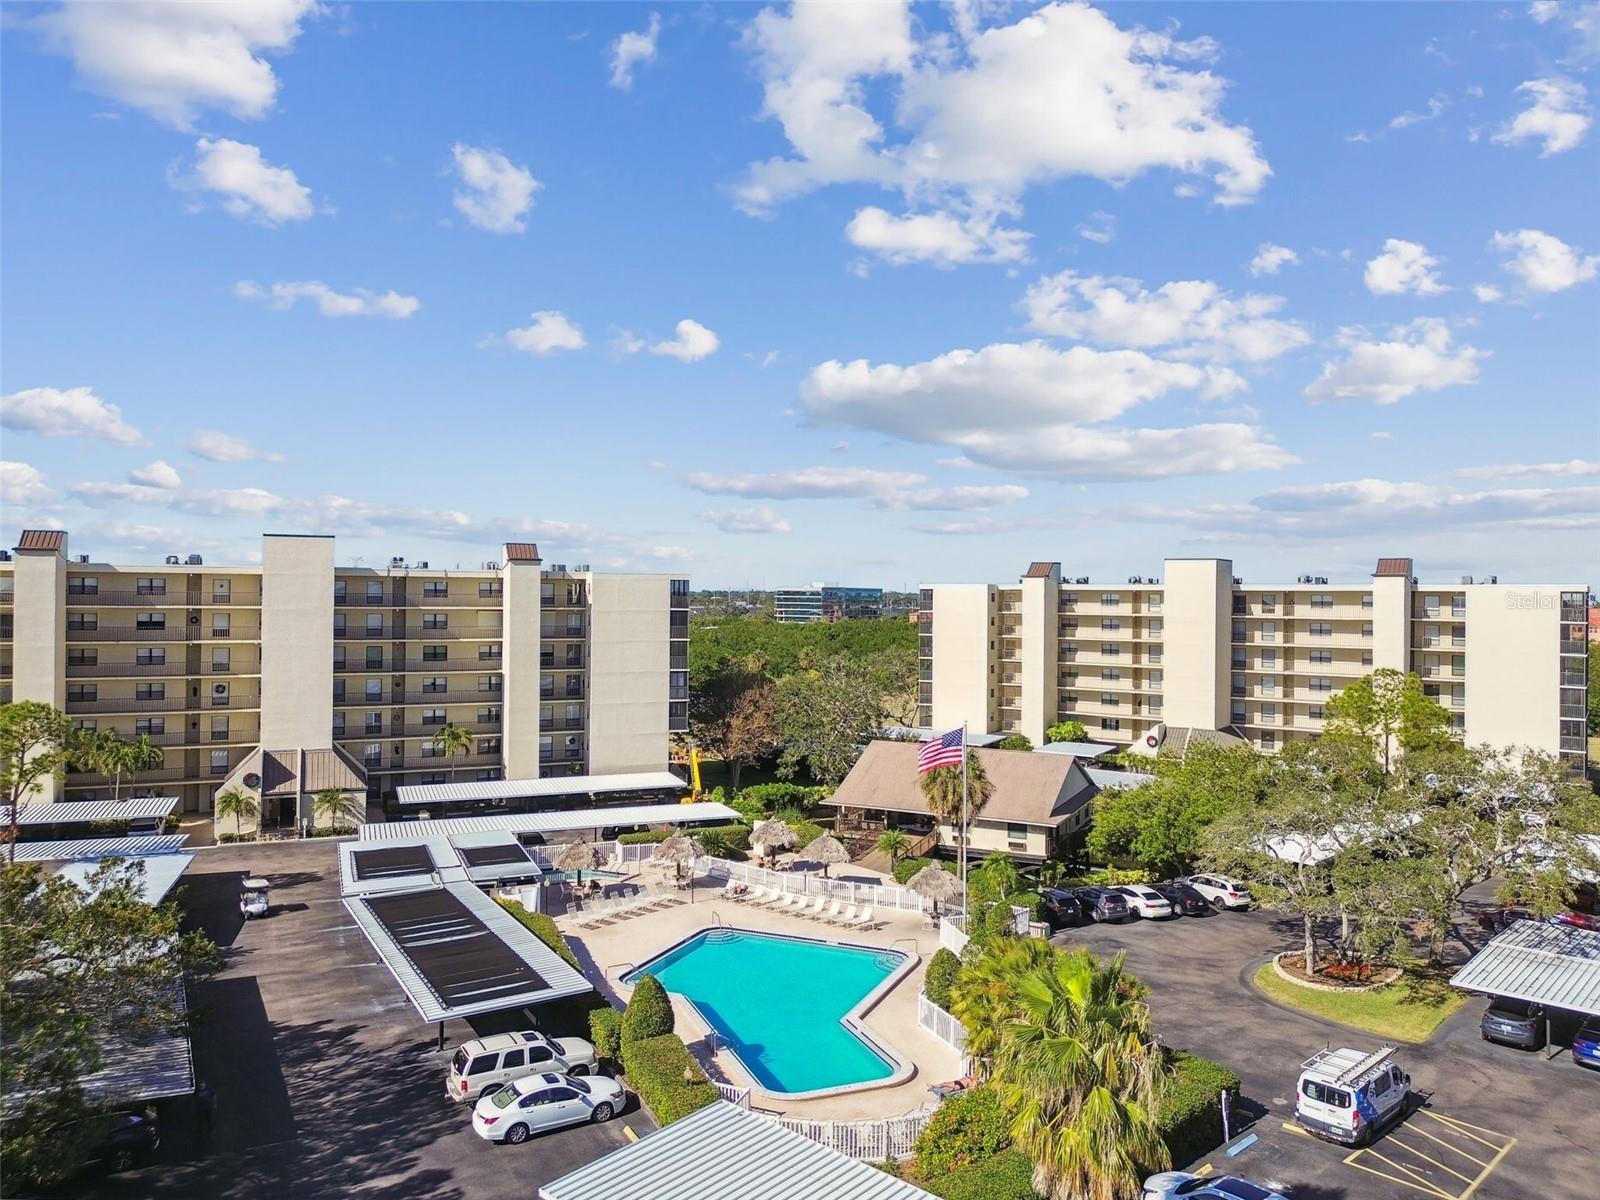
(806, 883)
(941, 1024)
(951, 936)
(737, 1096)
(871, 1141)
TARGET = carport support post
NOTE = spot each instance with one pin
(441, 1035)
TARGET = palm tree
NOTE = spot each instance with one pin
(103, 752)
(340, 808)
(238, 804)
(141, 754)
(895, 844)
(453, 739)
(984, 995)
(1076, 1066)
(941, 788)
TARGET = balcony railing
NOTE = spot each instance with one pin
(108, 670)
(1574, 647)
(174, 703)
(172, 632)
(95, 779)
(161, 600)
(468, 600)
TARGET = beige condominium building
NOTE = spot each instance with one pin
(299, 672)
(1201, 649)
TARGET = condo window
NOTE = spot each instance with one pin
(338, 658)
(1321, 629)
(1237, 716)
(435, 653)
(1269, 602)
(1153, 601)
(489, 589)
(1366, 599)
(152, 726)
(1109, 699)
(488, 745)
(487, 774)
(1110, 673)
(374, 624)
(1269, 684)
(488, 716)
(372, 752)
(84, 585)
(1321, 684)
(1321, 656)
(1366, 658)
(1110, 624)
(1016, 833)
(488, 683)
(1321, 600)
(338, 691)
(1315, 712)
(151, 656)
(489, 650)
(435, 683)
(338, 625)
(338, 725)
(432, 777)
(435, 587)
(1070, 647)
(219, 762)
(1238, 631)
(221, 624)
(1269, 631)
(82, 658)
(1269, 658)
(150, 691)
(86, 726)
(374, 591)
(1154, 680)
(151, 620)
(374, 658)
(1070, 599)
(339, 591)
(1430, 604)
(219, 728)
(433, 716)
(374, 689)
(1239, 606)
(1110, 649)
(432, 750)
(1366, 629)
(1110, 599)
(1111, 723)
(435, 620)
(1269, 712)
(372, 722)
(1269, 739)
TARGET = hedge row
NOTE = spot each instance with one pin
(943, 968)
(907, 867)
(737, 836)
(966, 1130)
(605, 1033)
(543, 928)
(1190, 1115)
(666, 1078)
(1006, 1176)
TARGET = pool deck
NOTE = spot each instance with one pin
(605, 953)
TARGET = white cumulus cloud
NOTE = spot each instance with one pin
(159, 474)
(174, 60)
(941, 239)
(1544, 262)
(1558, 115)
(495, 193)
(358, 302)
(249, 187)
(66, 412)
(1572, 466)
(216, 446)
(1420, 356)
(967, 125)
(806, 483)
(21, 485)
(1485, 293)
(756, 519)
(1196, 318)
(1403, 267)
(691, 342)
(550, 331)
(1271, 258)
(630, 50)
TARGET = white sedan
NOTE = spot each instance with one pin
(1144, 901)
(536, 1103)
(1181, 1185)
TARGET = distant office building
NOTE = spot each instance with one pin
(827, 602)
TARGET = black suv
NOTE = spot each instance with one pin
(1102, 904)
(1184, 899)
(1061, 908)
(1514, 1023)
(114, 1141)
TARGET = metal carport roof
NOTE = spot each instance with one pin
(723, 1152)
(556, 821)
(86, 812)
(431, 941)
(1557, 966)
(106, 847)
(539, 789)
(161, 872)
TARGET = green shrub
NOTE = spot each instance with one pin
(967, 1129)
(1017, 741)
(325, 831)
(806, 832)
(1031, 901)
(734, 837)
(941, 976)
(649, 1012)
(1006, 1176)
(907, 867)
(666, 1077)
(772, 797)
(170, 823)
(605, 1031)
(1190, 1113)
(544, 928)
(227, 839)
(644, 837)
(996, 921)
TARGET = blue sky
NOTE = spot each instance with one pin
(768, 295)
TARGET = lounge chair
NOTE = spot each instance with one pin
(818, 909)
(832, 915)
(867, 921)
(798, 903)
(846, 917)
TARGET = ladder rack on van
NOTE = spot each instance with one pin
(1355, 1072)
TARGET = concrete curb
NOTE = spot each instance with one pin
(1330, 987)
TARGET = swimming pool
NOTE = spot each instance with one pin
(787, 1008)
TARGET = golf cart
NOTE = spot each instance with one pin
(253, 898)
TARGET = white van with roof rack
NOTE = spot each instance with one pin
(1348, 1095)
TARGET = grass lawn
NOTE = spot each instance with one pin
(1408, 1010)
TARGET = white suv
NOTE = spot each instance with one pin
(480, 1067)
(1221, 891)
(1348, 1095)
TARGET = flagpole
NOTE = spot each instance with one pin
(966, 911)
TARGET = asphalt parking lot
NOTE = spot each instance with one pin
(328, 1084)
(1494, 1123)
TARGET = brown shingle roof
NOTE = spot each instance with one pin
(1394, 566)
(522, 552)
(1040, 570)
(1029, 788)
(42, 539)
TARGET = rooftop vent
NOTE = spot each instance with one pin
(1081, 579)
(83, 558)
(422, 566)
(5, 556)
(1467, 579)
(397, 562)
(1303, 579)
(1494, 579)
(581, 567)
(491, 566)
(1320, 579)
(1237, 581)
(172, 560)
(195, 560)
(558, 567)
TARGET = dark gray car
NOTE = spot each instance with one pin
(1102, 904)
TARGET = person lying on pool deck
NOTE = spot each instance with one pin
(956, 1086)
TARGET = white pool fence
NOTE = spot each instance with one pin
(873, 1140)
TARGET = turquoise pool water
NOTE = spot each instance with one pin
(776, 1003)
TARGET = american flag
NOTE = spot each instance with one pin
(946, 750)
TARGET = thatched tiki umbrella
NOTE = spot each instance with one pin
(826, 850)
(934, 883)
(579, 856)
(678, 851)
(770, 835)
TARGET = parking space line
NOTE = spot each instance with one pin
(1424, 1187)
(1461, 1127)
(1392, 1140)
(1293, 1128)
(1205, 1170)
(1453, 1149)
